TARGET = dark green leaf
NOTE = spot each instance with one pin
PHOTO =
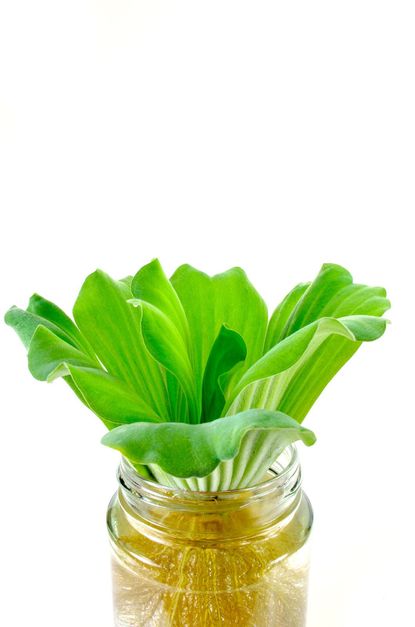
(228, 350)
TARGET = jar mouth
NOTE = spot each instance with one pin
(282, 472)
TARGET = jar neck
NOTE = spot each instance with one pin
(209, 515)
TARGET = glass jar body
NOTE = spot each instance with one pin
(201, 559)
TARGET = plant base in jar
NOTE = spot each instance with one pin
(232, 568)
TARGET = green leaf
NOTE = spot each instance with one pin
(314, 374)
(312, 377)
(50, 312)
(113, 328)
(49, 355)
(152, 286)
(25, 324)
(210, 302)
(281, 314)
(228, 350)
(179, 406)
(167, 346)
(183, 450)
(195, 348)
(166, 334)
(333, 294)
(273, 378)
(128, 281)
(110, 398)
(318, 295)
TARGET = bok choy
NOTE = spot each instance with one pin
(198, 389)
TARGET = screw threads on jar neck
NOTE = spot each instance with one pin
(210, 515)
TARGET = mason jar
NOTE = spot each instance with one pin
(194, 559)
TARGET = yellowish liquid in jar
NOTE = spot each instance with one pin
(221, 570)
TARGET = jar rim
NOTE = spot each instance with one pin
(282, 469)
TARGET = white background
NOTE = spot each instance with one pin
(271, 135)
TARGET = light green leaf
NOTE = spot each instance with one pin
(179, 406)
(127, 280)
(110, 398)
(281, 314)
(49, 354)
(196, 294)
(167, 346)
(202, 447)
(166, 334)
(333, 294)
(48, 311)
(152, 286)
(209, 302)
(314, 374)
(113, 328)
(228, 349)
(318, 295)
(25, 324)
(273, 378)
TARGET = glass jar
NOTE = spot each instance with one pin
(194, 559)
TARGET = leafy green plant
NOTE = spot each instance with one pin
(197, 388)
